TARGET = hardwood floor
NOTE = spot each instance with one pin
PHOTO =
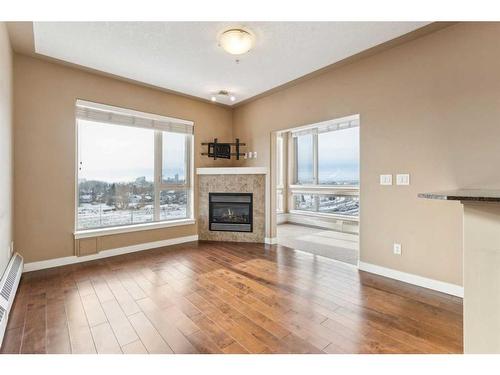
(213, 297)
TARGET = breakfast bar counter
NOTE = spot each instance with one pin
(481, 252)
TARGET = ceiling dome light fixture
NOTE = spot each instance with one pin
(236, 41)
(223, 95)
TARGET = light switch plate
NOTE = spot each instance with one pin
(403, 179)
(386, 179)
(396, 249)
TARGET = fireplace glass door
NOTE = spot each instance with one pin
(230, 212)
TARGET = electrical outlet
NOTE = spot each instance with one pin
(386, 179)
(396, 249)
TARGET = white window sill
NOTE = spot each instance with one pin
(321, 215)
(325, 189)
(131, 228)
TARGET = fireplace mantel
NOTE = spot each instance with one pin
(232, 170)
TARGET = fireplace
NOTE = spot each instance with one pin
(230, 212)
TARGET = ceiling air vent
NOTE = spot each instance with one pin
(8, 288)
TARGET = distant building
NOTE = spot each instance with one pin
(85, 198)
(141, 181)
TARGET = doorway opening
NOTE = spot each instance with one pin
(316, 188)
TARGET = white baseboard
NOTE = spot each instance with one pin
(35, 266)
(282, 218)
(271, 240)
(440, 286)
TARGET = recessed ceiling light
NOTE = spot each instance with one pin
(232, 98)
(213, 98)
(236, 41)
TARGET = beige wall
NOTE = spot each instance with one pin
(5, 148)
(429, 107)
(44, 97)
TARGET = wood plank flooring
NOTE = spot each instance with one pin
(213, 297)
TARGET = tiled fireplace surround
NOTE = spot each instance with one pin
(233, 180)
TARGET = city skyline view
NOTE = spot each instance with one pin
(114, 153)
(338, 157)
(116, 175)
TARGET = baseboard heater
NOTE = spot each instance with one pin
(8, 288)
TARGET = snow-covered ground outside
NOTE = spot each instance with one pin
(343, 205)
(102, 215)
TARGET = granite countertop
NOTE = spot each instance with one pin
(474, 195)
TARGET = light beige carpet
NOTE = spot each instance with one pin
(340, 246)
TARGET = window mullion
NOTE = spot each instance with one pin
(189, 175)
(316, 203)
(158, 168)
(315, 158)
(187, 167)
(291, 172)
(294, 149)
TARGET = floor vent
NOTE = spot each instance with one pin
(8, 288)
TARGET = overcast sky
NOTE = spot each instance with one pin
(338, 154)
(114, 153)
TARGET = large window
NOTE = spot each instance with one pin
(338, 157)
(326, 169)
(133, 167)
(304, 159)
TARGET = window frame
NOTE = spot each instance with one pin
(158, 183)
(316, 192)
(316, 189)
(280, 173)
(160, 186)
(295, 146)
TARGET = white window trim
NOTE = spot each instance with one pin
(280, 201)
(352, 120)
(315, 188)
(325, 189)
(152, 120)
(158, 178)
(325, 215)
(281, 173)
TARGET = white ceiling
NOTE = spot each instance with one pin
(185, 56)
